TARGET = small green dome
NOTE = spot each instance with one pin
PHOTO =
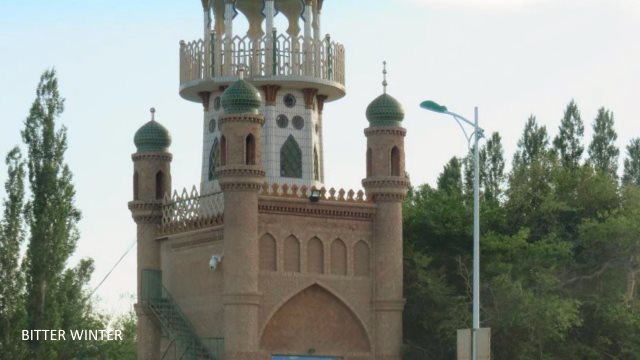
(152, 137)
(385, 111)
(241, 98)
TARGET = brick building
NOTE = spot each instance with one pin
(262, 261)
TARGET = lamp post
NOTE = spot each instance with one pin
(475, 136)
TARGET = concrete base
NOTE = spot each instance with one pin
(484, 344)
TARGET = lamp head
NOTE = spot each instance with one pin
(433, 106)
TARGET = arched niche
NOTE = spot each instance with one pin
(314, 318)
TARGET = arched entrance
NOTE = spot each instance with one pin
(314, 325)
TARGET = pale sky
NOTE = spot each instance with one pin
(117, 58)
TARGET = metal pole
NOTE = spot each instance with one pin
(476, 238)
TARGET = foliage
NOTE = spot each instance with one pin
(632, 163)
(603, 153)
(560, 250)
(12, 315)
(43, 292)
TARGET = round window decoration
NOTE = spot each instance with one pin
(216, 103)
(289, 100)
(212, 125)
(282, 121)
(298, 122)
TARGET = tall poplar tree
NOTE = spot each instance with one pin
(632, 163)
(12, 313)
(568, 142)
(603, 153)
(492, 156)
(50, 214)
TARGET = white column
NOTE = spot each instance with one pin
(269, 13)
(206, 38)
(316, 40)
(228, 34)
(308, 20)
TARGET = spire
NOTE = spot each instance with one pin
(153, 114)
(384, 76)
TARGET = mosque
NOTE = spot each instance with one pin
(261, 261)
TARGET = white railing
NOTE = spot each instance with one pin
(279, 55)
(190, 210)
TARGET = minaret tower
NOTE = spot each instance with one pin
(240, 176)
(151, 181)
(387, 184)
(295, 69)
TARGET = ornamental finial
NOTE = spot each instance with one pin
(153, 114)
(384, 76)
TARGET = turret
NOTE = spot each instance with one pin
(240, 176)
(387, 185)
(151, 181)
(296, 69)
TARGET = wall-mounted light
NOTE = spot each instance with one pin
(315, 195)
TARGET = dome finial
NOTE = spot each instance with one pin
(384, 76)
(153, 114)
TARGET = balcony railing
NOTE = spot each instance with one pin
(273, 55)
(190, 210)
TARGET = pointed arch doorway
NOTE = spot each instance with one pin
(302, 357)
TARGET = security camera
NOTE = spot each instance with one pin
(214, 262)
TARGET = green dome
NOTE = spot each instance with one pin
(152, 137)
(241, 98)
(385, 111)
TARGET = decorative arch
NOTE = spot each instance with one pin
(223, 150)
(395, 161)
(369, 162)
(136, 186)
(268, 253)
(315, 256)
(160, 185)
(338, 257)
(291, 254)
(361, 259)
(250, 150)
(214, 159)
(333, 326)
(316, 164)
(291, 159)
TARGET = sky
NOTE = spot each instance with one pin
(115, 59)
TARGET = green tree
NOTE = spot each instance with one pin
(12, 314)
(632, 163)
(50, 214)
(533, 145)
(603, 153)
(492, 156)
(568, 143)
(450, 179)
(530, 196)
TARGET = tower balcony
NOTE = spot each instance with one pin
(283, 60)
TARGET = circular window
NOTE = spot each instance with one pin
(216, 103)
(289, 100)
(298, 122)
(282, 121)
(212, 125)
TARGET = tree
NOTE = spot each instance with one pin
(50, 214)
(603, 153)
(568, 143)
(492, 156)
(530, 196)
(450, 179)
(532, 145)
(12, 313)
(632, 163)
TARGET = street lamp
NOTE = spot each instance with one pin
(475, 136)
